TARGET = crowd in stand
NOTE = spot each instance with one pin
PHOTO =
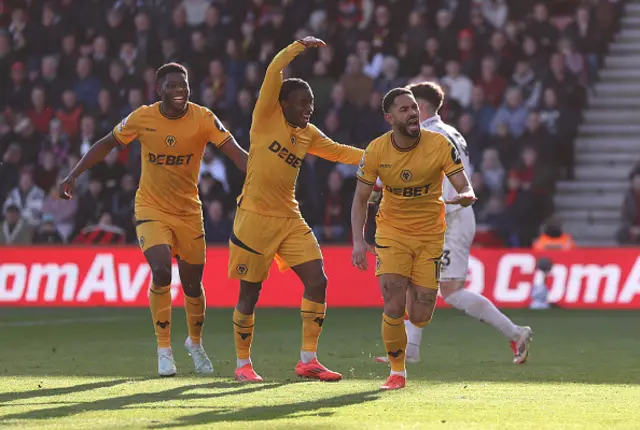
(516, 74)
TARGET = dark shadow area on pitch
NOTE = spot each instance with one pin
(52, 392)
(260, 413)
(118, 403)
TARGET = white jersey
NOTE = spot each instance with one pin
(436, 124)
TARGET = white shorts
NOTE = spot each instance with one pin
(461, 228)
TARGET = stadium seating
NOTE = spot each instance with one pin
(373, 46)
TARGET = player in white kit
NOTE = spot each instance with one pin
(461, 228)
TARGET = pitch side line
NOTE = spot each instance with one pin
(62, 321)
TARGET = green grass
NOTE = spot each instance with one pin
(95, 369)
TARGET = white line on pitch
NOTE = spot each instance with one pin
(61, 321)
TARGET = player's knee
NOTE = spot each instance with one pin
(248, 298)
(394, 292)
(316, 287)
(192, 287)
(450, 286)
(161, 275)
(421, 319)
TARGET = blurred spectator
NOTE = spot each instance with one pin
(492, 85)
(460, 86)
(18, 91)
(492, 171)
(86, 86)
(481, 111)
(50, 80)
(217, 227)
(512, 112)
(29, 139)
(525, 79)
(91, 205)
(69, 114)
(10, 170)
(109, 172)
(356, 84)
(15, 229)
(468, 55)
(27, 197)
(102, 233)
(553, 237)
(214, 166)
(495, 12)
(122, 203)
(541, 29)
(61, 211)
(474, 137)
(388, 78)
(334, 211)
(40, 112)
(46, 173)
(47, 233)
(629, 232)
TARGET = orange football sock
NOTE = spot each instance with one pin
(160, 305)
(312, 319)
(395, 341)
(195, 309)
(243, 334)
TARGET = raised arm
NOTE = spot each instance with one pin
(326, 148)
(270, 90)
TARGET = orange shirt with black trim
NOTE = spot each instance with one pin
(172, 150)
(412, 204)
(278, 148)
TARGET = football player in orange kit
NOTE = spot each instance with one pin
(268, 222)
(173, 134)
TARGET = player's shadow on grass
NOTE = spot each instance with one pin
(134, 400)
(265, 413)
(53, 392)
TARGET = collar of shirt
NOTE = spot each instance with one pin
(431, 121)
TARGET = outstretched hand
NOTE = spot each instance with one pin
(66, 188)
(312, 42)
(464, 200)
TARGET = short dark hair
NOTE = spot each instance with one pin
(290, 85)
(429, 91)
(165, 69)
(390, 98)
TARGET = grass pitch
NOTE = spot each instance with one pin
(96, 369)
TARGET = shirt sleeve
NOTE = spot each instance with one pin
(128, 129)
(217, 134)
(368, 168)
(326, 148)
(270, 90)
(451, 161)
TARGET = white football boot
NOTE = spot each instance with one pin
(201, 362)
(520, 347)
(166, 364)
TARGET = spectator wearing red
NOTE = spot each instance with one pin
(467, 54)
(69, 114)
(493, 85)
(102, 233)
(40, 113)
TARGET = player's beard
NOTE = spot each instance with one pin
(403, 129)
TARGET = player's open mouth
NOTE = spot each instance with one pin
(179, 99)
(306, 118)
